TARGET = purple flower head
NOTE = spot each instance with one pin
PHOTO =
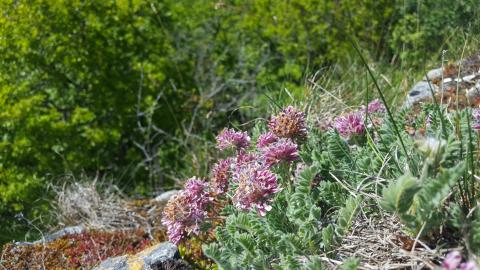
(376, 106)
(229, 138)
(175, 215)
(452, 260)
(284, 150)
(476, 118)
(470, 265)
(221, 173)
(245, 158)
(350, 125)
(256, 186)
(266, 139)
(184, 213)
(197, 189)
(289, 123)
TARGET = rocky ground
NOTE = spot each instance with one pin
(455, 84)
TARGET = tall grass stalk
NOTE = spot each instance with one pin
(382, 97)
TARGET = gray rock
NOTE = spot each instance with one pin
(162, 252)
(434, 74)
(61, 233)
(421, 91)
(473, 94)
(470, 78)
(164, 197)
(23, 244)
(115, 263)
(144, 260)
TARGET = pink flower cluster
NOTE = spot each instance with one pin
(221, 173)
(245, 158)
(184, 213)
(453, 261)
(229, 138)
(283, 150)
(375, 106)
(255, 185)
(266, 139)
(289, 123)
(247, 176)
(352, 124)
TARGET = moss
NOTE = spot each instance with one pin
(78, 251)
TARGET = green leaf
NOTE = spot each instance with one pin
(350, 264)
(347, 214)
(328, 236)
(246, 242)
(314, 263)
(474, 234)
(437, 189)
(398, 196)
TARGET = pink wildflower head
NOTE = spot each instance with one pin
(266, 139)
(289, 123)
(452, 260)
(184, 213)
(470, 265)
(376, 106)
(350, 125)
(229, 138)
(221, 173)
(284, 150)
(175, 215)
(245, 158)
(256, 186)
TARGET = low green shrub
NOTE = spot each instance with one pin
(287, 201)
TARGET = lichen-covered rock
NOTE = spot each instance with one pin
(434, 74)
(158, 253)
(474, 92)
(422, 91)
(456, 85)
(114, 263)
(172, 265)
(145, 260)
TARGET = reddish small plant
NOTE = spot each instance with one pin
(76, 251)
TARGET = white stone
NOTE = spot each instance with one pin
(61, 233)
(469, 78)
(421, 91)
(434, 74)
(164, 197)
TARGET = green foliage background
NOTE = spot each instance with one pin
(136, 90)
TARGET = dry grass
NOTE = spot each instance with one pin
(83, 204)
(379, 243)
(324, 101)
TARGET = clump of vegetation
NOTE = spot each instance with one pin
(290, 199)
(76, 251)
